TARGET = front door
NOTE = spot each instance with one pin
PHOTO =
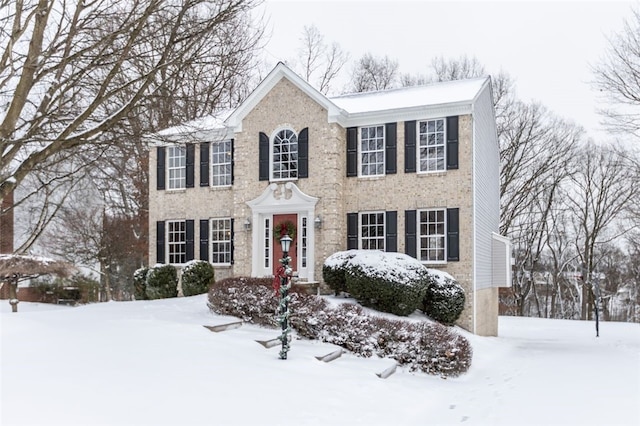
(282, 224)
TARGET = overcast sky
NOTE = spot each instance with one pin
(546, 46)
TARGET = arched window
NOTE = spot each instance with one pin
(285, 155)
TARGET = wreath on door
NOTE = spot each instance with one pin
(286, 227)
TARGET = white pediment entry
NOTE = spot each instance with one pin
(278, 199)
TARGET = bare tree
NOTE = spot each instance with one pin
(319, 63)
(71, 72)
(373, 73)
(617, 77)
(601, 190)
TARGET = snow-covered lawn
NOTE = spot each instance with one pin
(152, 363)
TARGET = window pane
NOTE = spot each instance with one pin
(372, 231)
(285, 155)
(432, 137)
(372, 151)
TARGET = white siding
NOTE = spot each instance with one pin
(501, 261)
(486, 169)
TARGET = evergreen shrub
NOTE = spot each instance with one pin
(388, 282)
(444, 301)
(140, 283)
(162, 282)
(197, 277)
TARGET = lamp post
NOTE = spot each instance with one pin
(283, 306)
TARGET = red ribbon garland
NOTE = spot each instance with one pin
(277, 279)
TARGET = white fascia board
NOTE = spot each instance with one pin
(197, 136)
(279, 72)
(405, 114)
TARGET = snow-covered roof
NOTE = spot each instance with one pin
(407, 103)
(208, 127)
(410, 97)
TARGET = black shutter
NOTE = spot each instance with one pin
(263, 157)
(204, 239)
(204, 164)
(453, 235)
(233, 159)
(233, 235)
(303, 153)
(160, 177)
(352, 231)
(352, 151)
(391, 225)
(189, 234)
(160, 257)
(391, 136)
(410, 146)
(452, 142)
(190, 164)
(410, 235)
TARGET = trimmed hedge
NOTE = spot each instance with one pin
(140, 283)
(422, 346)
(444, 301)
(197, 277)
(387, 282)
(162, 282)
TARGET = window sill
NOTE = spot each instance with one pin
(375, 177)
(220, 188)
(222, 265)
(434, 174)
(176, 191)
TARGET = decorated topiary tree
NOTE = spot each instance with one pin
(197, 277)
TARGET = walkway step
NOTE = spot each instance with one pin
(389, 371)
(330, 356)
(223, 327)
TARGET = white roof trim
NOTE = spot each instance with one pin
(278, 73)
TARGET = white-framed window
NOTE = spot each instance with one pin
(372, 232)
(372, 151)
(431, 145)
(305, 242)
(221, 163)
(177, 241)
(267, 243)
(221, 241)
(284, 155)
(177, 167)
(432, 235)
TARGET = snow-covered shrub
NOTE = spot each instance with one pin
(197, 277)
(422, 346)
(140, 283)
(334, 270)
(444, 300)
(250, 299)
(162, 282)
(387, 282)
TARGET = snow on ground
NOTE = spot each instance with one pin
(152, 363)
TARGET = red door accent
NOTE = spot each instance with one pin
(278, 220)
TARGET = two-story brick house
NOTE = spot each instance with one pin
(413, 170)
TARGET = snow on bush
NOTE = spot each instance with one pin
(422, 346)
(140, 283)
(197, 277)
(444, 301)
(394, 283)
(162, 282)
